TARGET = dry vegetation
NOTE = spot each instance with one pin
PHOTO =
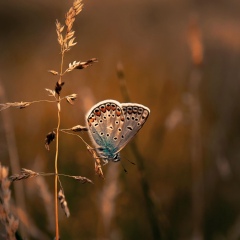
(178, 58)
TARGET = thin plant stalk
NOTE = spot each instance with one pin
(56, 155)
(152, 216)
(56, 176)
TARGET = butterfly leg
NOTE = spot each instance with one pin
(105, 161)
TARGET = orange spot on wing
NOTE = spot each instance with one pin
(108, 107)
(113, 107)
(103, 109)
(118, 113)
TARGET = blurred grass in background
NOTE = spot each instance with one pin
(150, 39)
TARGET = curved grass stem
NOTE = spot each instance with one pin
(56, 176)
(56, 155)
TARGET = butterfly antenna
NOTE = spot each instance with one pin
(129, 161)
(125, 170)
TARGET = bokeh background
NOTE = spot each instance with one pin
(181, 59)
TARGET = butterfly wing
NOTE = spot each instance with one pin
(105, 120)
(135, 115)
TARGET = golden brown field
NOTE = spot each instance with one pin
(180, 59)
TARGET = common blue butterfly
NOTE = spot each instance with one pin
(112, 125)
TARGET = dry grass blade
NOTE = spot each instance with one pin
(80, 65)
(72, 13)
(77, 6)
(86, 64)
(19, 105)
(79, 128)
(98, 167)
(71, 42)
(72, 66)
(71, 98)
(25, 173)
(82, 179)
(70, 35)
(67, 42)
(59, 29)
(49, 138)
(7, 219)
(63, 202)
(51, 92)
(53, 72)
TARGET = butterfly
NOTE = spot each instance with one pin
(111, 125)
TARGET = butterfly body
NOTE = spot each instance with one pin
(112, 125)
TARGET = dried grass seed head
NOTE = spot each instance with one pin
(71, 98)
(63, 202)
(49, 138)
(82, 179)
(79, 128)
(25, 173)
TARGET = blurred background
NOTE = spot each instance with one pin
(181, 59)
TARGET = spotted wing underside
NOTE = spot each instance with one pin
(112, 124)
(105, 121)
(135, 115)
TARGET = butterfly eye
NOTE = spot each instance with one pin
(116, 158)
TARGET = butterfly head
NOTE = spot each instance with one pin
(107, 155)
(116, 157)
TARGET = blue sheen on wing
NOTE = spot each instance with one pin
(112, 125)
